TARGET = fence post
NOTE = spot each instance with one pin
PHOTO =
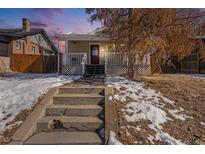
(84, 61)
(106, 62)
(64, 59)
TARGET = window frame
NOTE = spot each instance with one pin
(18, 43)
(33, 48)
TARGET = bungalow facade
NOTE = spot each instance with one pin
(97, 52)
(26, 49)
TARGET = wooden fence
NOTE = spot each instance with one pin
(50, 63)
(33, 63)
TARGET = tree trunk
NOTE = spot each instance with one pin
(130, 64)
(158, 63)
(130, 50)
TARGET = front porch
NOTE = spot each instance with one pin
(96, 53)
(111, 63)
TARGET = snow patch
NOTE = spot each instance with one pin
(176, 113)
(113, 140)
(145, 104)
(110, 98)
(21, 91)
(166, 138)
(202, 123)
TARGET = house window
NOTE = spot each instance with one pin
(18, 45)
(33, 49)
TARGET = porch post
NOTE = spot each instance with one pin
(84, 61)
(106, 63)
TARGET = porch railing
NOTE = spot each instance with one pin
(115, 64)
(73, 63)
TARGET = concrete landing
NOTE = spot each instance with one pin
(64, 138)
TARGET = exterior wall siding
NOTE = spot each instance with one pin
(25, 58)
(84, 47)
(26, 47)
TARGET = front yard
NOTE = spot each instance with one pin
(160, 109)
(19, 93)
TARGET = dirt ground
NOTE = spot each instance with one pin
(6, 136)
(188, 93)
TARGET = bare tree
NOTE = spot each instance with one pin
(164, 32)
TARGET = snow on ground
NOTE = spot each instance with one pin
(113, 140)
(203, 123)
(21, 91)
(199, 76)
(146, 104)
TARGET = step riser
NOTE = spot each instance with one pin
(78, 100)
(68, 126)
(59, 143)
(81, 91)
(94, 69)
(93, 72)
(64, 138)
(72, 112)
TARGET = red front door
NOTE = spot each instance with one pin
(94, 53)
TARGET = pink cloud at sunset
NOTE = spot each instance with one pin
(54, 20)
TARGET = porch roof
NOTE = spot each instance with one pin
(84, 37)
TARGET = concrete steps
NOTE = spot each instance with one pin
(94, 69)
(64, 138)
(73, 110)
(78, 99)
(70, 123)
(83, 90)
(73, 118)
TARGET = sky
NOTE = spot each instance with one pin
(54, 21)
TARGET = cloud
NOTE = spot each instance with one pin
(54, 32)
(4, 24)
(45, 18)
(39, 24)
(49, 13)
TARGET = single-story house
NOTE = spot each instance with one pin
(26, 49)
(99, 52)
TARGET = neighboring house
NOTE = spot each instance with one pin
(26, 49)
(99, 52)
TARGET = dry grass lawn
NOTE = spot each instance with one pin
(188, 93)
